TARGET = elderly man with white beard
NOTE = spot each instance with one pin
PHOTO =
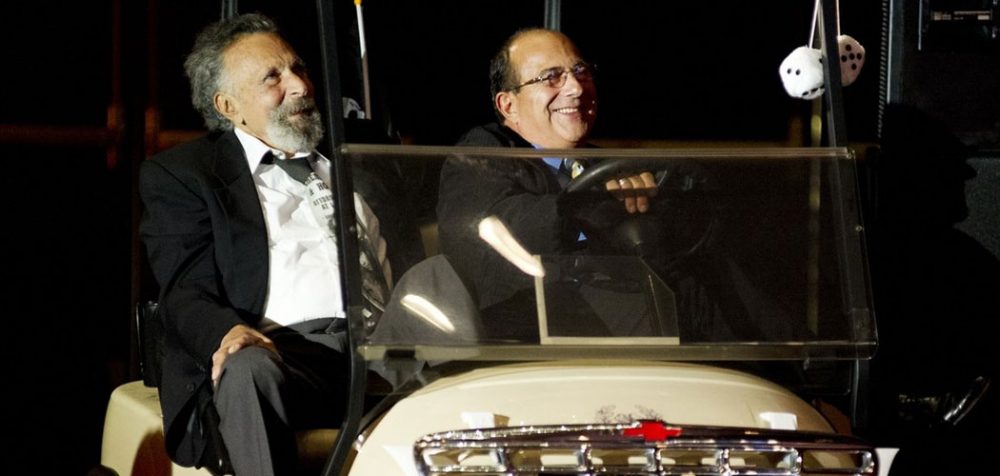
(239, 232)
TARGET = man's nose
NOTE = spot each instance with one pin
(297, 84)
(572, 86)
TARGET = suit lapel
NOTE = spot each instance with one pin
(543, 175)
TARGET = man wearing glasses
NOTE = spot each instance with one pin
(544, 97)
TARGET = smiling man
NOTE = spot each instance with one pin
(553, 102)
(239, 230)
(545, 97)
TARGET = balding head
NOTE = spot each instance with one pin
(543, 90)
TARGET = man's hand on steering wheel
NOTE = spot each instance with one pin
(634, 190)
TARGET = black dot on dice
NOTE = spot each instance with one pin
(843, 58)
(859, 56)
(798, 71)
(789, 71)
(851, 55)
(805, 93)
(847, 47)
(854, 66)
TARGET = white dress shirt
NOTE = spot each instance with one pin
(304, 271)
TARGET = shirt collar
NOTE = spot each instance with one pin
(254, 149)
(553, 162)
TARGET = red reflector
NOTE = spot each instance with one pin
(653, 431)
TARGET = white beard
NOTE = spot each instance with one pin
(289, 136)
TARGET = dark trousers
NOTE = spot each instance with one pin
(262, 399)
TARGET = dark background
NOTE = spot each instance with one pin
(92, 88)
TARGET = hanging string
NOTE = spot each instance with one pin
(812, 31)
(364, 60)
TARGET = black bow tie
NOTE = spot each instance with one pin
(299, 168)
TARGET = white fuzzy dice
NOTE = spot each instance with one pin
(852, 58)
(802, 73)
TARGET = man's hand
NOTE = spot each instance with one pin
(635, 191)
(238, 337)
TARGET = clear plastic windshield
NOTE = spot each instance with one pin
(741, 255)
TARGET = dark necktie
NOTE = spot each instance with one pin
(375, 287)
(563, 174)
(568, 170)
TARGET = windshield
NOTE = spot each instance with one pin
(748, 254)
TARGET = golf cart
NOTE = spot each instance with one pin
(727, 337)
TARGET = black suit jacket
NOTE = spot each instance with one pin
(522, 193)
(206, 239)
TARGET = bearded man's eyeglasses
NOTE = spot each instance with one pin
(555, 78)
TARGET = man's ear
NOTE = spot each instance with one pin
(228, 107)
(504, 102)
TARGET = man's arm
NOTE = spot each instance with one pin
(473, 188)
(177, 230)
(516, 191)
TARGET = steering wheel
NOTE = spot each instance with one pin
(682, 217)
(596, 175)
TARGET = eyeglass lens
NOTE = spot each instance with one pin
(556, 79)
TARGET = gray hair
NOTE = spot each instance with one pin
(204, 66)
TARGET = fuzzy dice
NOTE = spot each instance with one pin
(852, 58)
(802, 73)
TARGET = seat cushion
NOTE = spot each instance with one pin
(133, 436)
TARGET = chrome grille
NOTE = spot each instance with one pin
(641, 448)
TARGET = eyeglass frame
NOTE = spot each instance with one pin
(547, 75)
